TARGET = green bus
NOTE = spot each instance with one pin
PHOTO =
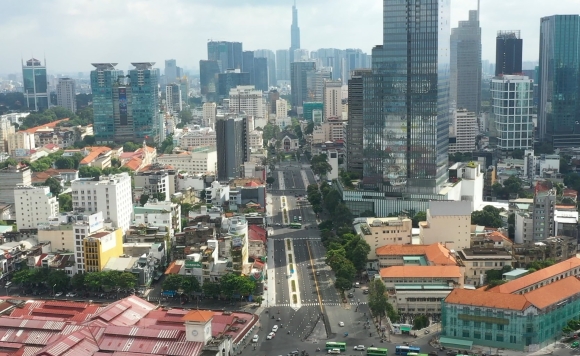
(295, 226)
(376, 351)
(336, 345)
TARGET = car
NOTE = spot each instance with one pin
(271, 335)
(366, 291)
(58, 294)
(334, 351)
(255, 338)
(359, 347)
(575, 344)
(350, 295)
(340, 323)
(275, 328)
(357, 285)
(71, 294)
(427, 332)
(278, 224)
(317, 273)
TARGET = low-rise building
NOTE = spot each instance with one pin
(199, 160)
(479, 260)
(414, 255)
(379, 232)
(100, 247)
(98, 156)
(448, 223)
(197, 137)
(162, 214)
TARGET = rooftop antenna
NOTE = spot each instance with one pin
(478, 1)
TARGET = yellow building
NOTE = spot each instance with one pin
(101, 246)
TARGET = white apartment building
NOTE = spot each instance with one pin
(10, 178)
(464, 131)
(281, 108)
(448, 223)
(209, 114)
(542, 166)
(245, 98)
(33, 205)
(110, 194)
(512, 107)
(255, 140)
(21, 142)
(6, 130)
(66, 94)
(332, 99)
(162, 214)
(204, 136)
(173, 98)
(200, 160)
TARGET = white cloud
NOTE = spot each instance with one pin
(74, 33)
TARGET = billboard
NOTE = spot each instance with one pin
(192, 264)
(123, 106)
(95, 222)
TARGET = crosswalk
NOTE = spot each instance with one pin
(316, 304)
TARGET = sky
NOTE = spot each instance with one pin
(72, 34)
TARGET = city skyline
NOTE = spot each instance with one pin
(96, 34)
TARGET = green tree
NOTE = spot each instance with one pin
(126, 280)
(270, 180)
(346, 270)
(357, 251)
(167, 145)
(211, 289)
(342, 283)
(332, 200)
(186, 116)
(186, 208)
(190, 284)
(77, 281)
(143, 199)
(270, 131)
(420, 216)
(320, 165)
(59, 279)
(25, 277)
(93, 280)
(489, 217)
(309, 128)
(172, 282)
(342, 216)
(89, 140)
(379, 303)
(89, 172)
(54, 185)
(130, 146)
(518, 153)
(420, 322)
(110, 279)
(232, 283)
(64, 163)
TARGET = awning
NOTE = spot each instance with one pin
(405, 328)
(455, 343)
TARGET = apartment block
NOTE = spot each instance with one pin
(33, 205)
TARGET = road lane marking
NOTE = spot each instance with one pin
(315, 279)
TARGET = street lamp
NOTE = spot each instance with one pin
(53, 294)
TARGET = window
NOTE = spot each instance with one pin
(488, 336)
(477, 335)
(465, 333)
(499, 337)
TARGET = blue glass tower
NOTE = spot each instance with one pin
(35, 85)
(147, 122)
(406, 99)
(103, 79)
(559, 80)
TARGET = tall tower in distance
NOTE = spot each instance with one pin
(508, 53)
(35, 84)
(294, 33)
(66, 94)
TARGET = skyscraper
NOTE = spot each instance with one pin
(406, 99)
(261, 74)
(35, 85)
(271, 57)
(145, 105)
(332, 99)
(354, 129)
(66, 94)
(508, 53)
(171, 74)
(299, 83)
(173, 98)
(465, 83)
(208, 79)
(282, 64)
(231, 79)
(294, 33)
(559, 80)
(103, 78)
(228, 54)
(248, 64)
(232, 146)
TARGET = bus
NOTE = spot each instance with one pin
(295, 226)
(336, 345)
(405, 350)
(376, 351)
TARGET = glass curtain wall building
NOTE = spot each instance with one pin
(103, 78)
(406, 99)
(145, 102)
(559, 80)
(35, 85)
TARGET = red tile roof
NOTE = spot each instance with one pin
(198, 315)
(95, 152)
(421, 271)
(435, 253)
(50, 125)
(256, 232)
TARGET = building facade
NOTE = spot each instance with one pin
(464, 131)
(35, 84)
(199, 160)
(173, 100)
(100, 247)
(227, 54)
(248, 100)
(66, 94)
(232, 146)
(508, 53)
(332, 99)
(283, 65)
(354, 129)
(299, 83)
(103, 79)
(379, 232)
(33, 205)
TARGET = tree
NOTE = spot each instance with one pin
(186, 116)
(89, 172)
(357, 251)
(78, 281)
(190, 284)
(130, 147)
(186, 208)
(270, 180)
(143, 199)
(93, 280)
(270, 131)
(127, 280)
(59, 279)
(420, 216)
(64, 163)
(65, 203)
(54, 185)
(232, 283)
(167, 145)
(367, 214)
(320, 165)
(346, 270)
(420, 322)
(110, 279)
(211, 289)
(309, 128)
(332, 200)
(172, 282)
(489, 217)
(342, 283)
(25, 277)
(342, 216)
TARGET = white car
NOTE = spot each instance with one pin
(271, 335)
(340, 323)
(334, 351)
(255, 338)
(359, 348)
(71, 294)
(58, 294)
(275, 328)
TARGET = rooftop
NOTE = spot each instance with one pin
(487, 253)
(49, 125)
(450, 208)
(421, 271)
(435, 253)
(95, 152)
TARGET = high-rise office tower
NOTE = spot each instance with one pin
(406, 99)
(173, 98)
(294, 33)
(228, 54)
(35, 85)
(464, 131)
(465, 83)
(171, 74)
(231, 79)
(248, 64)
(315, 84)
(513, 116)
(282, 64)
(354, 129)
(208, 79)
(559, 80)
(299, 83)
(103, 78)
(144, 86)
(332, 99)
(301, 54)
(330, 58)
(248, 100)
(271, 57)
(261, 73)
(232, 146)
(508, 53)
(353, 59)
(66, 94)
